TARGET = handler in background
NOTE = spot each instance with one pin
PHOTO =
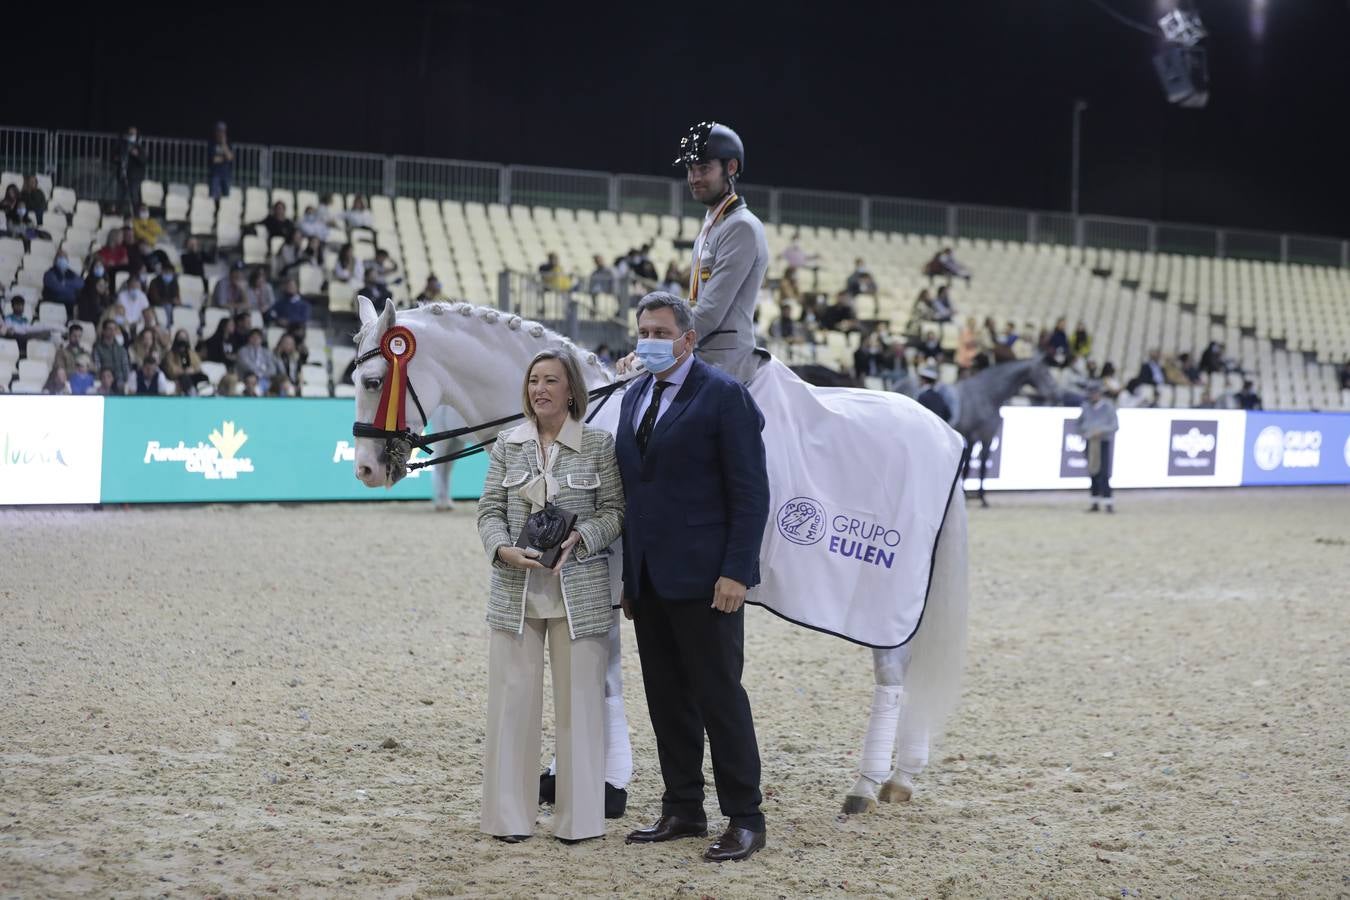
(1098, 425)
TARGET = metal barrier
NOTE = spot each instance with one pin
(448, 179)
(88, 162)
(571, 313)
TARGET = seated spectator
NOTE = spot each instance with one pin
(386, 270)
(943, 308)
(151, 258)
(1110, 383)
(967, 344)
(289, 360)
(10, 204)
(164, 288)
(1212, 361)
(861, 280)
(72, 351)
(113, 254)
(147, 379)
(552, 276)
(61, 284)
(1057, 344)
(93, 299)
(132, 296)
(1150, 372)
(146, 228)
(183, 365)
(109, 354)
(106, 385)
(147, 343)
(330, 211)
(228, 386)
(82, 380)
(17, 315)
(56, 382)
(673, 282)
(277, 224)
(432, 292)
(1080, 344)
(795, 256)
(788, 289)
(312, 224)
(314, 252)
(256, 359)
(192, 260)
(291, 255)
(783, 327)
(290, 309)
(372, 289)
(281, 386)
(929, 346)
(603, 278)
(360, 216)
(229, 291)
(1189, 370)
(33, 198)
(641, 264)
(221, 170)
(1248, 398)
(251, 385)
(258, 293)
(872, 358)
(841, 315)
(1344, 374)
(348, 269)
(944, 264)
(134, 256)
(223, 344)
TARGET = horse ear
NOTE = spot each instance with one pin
(387, 316)
(365, 309)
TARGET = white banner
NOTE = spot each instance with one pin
(51, 449)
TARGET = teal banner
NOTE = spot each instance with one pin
(189, 450)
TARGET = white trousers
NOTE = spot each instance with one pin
(515, 715)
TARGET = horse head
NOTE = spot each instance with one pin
(1043, 380)
(382, 459)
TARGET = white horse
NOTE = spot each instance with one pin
(473, 359)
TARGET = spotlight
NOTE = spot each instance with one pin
(1182, 27)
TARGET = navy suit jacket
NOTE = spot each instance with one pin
(698, 502)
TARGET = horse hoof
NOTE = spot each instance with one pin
(854, 806)
(896, 792)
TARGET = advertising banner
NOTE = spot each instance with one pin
(1297, 448)
(50, 449)
(187, 449)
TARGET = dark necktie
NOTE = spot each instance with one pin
(648, 424)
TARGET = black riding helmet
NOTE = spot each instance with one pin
(711, 140)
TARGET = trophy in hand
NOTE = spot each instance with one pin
(545, 531)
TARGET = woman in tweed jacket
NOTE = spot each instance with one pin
(552, 457)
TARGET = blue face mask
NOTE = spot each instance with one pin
(98, 271)
(657, 354)
(62, 264)
(168, 277)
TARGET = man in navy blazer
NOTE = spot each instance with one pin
(692, 460)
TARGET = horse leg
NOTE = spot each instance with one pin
(984, 455)
(440, 485)
(879, 740)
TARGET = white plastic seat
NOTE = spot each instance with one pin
(152, 193)
(50, 313)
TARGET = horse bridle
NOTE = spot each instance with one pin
(398, 442)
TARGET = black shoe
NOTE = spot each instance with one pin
(735, 844)
(668, 828)
(1093, 508)
(548, 787)
(616, 801)
(512, 838)
(573, 841)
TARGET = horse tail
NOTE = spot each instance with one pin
(933, 679)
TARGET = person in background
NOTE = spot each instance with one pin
(372, 288)
(277, 224)
(250, 386)
(223, 344)
(289, 360)
(147, 379)
(147, 343)
(221, 171)
(113, 253)
(69, 354)
(860, 281)
(1150, 372)
(290, 256)
(33, 198)
(386, 270)
(944, 264)
(967, 345)
(1248, 398)
(1057, 347)
(290, 309)
(107, 383)
(111, 355)
(56, 381)
(930, 397)
(603, 279)
(942, 308)
(130, 171)
(674, 280)
(145, 228)
(348, 269)
(1344, 374)
(62, 284)
(133, 297)
(1080, 343)
(1211, 360)
(95, 296)
(10, 204)
(82, 380)
(312, 224)
(603, 355)
(360, 216)
(192, 260)
(256, 359)
(330, 209)
(229, 291)
(18, 322)
(1097, 424)
(258, 294)
(432, 293)
(183, 365)
(164, 288)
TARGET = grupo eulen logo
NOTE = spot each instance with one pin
(1193, 447)
(1346, 452)
(1073, 461)
(802, 521)
(1268, 451)
(216, 460)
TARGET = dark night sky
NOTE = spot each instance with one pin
(955, 100)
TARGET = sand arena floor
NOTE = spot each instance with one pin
(195, 701)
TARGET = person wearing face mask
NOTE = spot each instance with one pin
(183, 365)
(94, 296)
(62, 284)
(110, 354)
(130, 171)
(33, 198)
(10, 204)
(164, 288)
(132, 296)
(730, 254)
(694, 474)
(146, 229)
(72, 352)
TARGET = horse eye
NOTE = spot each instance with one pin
(372, 384)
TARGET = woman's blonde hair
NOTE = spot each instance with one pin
(576, 385)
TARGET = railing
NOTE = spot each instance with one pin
(87, 161)
(573, 313)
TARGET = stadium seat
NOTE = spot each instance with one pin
(191, 291)
(49, 313)
(309, 280)
(186, 317)
(255, 250)
(35, 369)
(152, 194)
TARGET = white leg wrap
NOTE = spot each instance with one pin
(879, 742)
(911, 753)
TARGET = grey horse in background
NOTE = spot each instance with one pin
(980, 396)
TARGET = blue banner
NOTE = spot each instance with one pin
(1297, 448)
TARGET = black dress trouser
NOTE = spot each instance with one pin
(1101, 482)
(692, 657)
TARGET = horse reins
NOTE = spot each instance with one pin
(398, 346)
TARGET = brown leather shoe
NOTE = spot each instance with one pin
(735, 843)
(669, 828)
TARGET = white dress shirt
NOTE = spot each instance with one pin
(676, 380)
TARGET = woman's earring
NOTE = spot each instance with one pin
(571, 402)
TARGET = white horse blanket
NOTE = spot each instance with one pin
(859, 483)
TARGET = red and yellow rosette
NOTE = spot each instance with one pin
(397, 346)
